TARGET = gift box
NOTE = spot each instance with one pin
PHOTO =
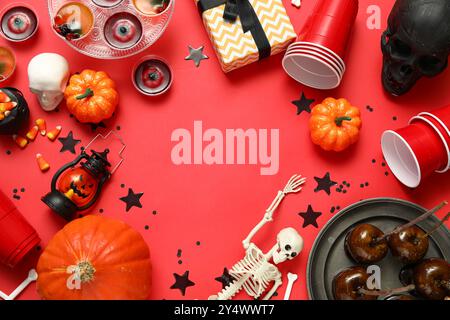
(245, 31)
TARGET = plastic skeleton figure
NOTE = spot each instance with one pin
(255, 272)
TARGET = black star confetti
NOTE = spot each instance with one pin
(303, 104)
(95, 126)
(69, 143)
(324, 183)
(132, 199)
(310, 217)
(226, 279)
(182, 282)
(196, 55)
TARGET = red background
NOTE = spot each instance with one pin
(217, 205)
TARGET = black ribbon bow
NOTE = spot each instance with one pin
(247, 15)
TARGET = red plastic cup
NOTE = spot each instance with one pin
(443, 116)
(413, 152)
(17, 236)
(440, 131)
(330, 25)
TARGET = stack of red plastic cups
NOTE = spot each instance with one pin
(316, 59)
(423, 147)
(17, 236)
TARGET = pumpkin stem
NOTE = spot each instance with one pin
(339, 120)
(88, 93)
(86, 271)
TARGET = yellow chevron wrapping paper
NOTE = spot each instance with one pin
(233, 47)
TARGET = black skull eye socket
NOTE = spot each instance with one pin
(293, 254)
(431, 65)
(287, 247)
(400, 49)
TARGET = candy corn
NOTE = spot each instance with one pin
(52, 135)
(42, 163)
(31, 135)
(42, 127)
(7, 106)
(4, 97)
(20, 141)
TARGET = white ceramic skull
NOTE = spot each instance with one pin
(290, 244)
(48, 74)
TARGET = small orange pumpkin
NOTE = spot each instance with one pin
(95, 258)
(335, 124)
(91, 96)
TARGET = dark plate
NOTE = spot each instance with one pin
(328, 258)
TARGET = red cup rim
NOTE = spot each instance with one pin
(334, 54)
(444, 142)
(318, 55)
(318, 50)
(437, 119)
(390, 149)
(295, 71)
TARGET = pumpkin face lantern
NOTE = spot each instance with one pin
(77, 185)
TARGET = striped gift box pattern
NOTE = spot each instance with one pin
(236, 49)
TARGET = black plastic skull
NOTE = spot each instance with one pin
(416, 43)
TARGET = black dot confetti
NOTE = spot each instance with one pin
(332, 210)
(118, 128)
(386, 173)
(374, 161)
(17, 197)
(8, 152)
(180, 262)
(369, 108)
(154, 212)
(394, 118)
(101, 210)
(179, 253)
(122, 185)
(146, 227)
(338, 208)
(366, 184)
(22, 190)
(383, 164)
(197, 243)
(15, 190)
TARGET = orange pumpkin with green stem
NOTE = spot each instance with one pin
(91, 96)
(95, 258)
(335, 124)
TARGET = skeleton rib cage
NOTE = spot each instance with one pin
(253, 273)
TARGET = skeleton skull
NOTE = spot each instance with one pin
(290, 243)
(48, 74)
(416, 43)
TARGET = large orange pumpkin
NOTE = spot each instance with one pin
(335, 124)
(95, 258)
(91, 96)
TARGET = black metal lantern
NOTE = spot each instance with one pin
(77, 185)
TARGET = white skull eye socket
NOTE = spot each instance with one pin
(287, 247)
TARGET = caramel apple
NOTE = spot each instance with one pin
(365, 244)
(401, 297)
(431, 279)
(348, 283)
(409, 245)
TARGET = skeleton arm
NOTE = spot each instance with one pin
(293, 186)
